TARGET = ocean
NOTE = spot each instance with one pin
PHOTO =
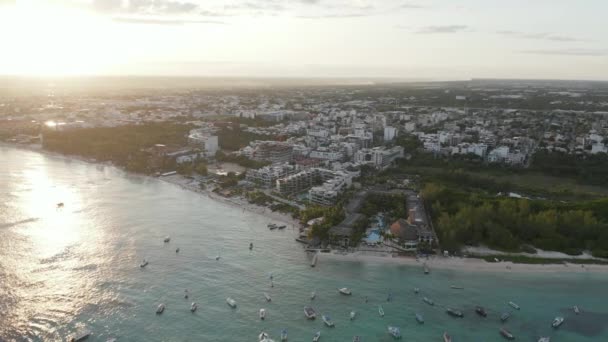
(77, 268)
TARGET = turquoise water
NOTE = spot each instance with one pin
(77, 267)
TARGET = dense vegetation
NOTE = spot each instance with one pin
(331, 216)
(474, 217)
(392, 205)
(591, 169)
(123, 145)
(234, 138)
(240, 160)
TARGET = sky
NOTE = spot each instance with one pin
(408, 39)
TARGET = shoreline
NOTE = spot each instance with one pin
(464, 264)
(175, 180)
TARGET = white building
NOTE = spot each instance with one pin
(380, 157)
(204, 140)
(327, 194)
(389, 133)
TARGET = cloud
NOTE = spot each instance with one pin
(568, 52)
(153, 21)
(540, 36)
(442, 29)
(408, 5)
(145, 7)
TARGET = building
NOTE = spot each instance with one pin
(380, 157)
(267, 176)
(327, 193)
(326, 154)
(204, 141)
(389, 133)
(303, 180)
(272, 151)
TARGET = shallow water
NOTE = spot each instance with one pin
(78, 267)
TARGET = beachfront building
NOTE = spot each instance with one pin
(272, 151)
(306, 179)
(327, 193)
(267, 176)
(203, 140)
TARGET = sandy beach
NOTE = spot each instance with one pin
(466, 264)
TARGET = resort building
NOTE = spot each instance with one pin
(380, 157)
(267, 176)
(203, 140)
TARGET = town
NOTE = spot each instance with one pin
(352, 163)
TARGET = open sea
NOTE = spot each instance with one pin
(76, 268)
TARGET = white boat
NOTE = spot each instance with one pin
(317, 337)
(284, 335)
(514, 306)
(357, 338)
(381, 311)
(231, 302)
(313, 294)
(263, 337)
(262, 314)
(446, 337)
(426, 269)
(327, 320)
(352, 315)
(193, 307)
(160, 309)
(217, 257)
(167, 239)
(544, 339)
(557, 322)
(455, 287)
(395, 332)
(576, 310)
(428, 301)
(345, 291)
(416, 290)
(144, 263)
(309, 312)
(268, 299)
(177, 250)
(419, 318)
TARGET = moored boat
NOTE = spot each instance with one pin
(576, 310)
(231, 302)
(177, 250)
(357, 338)
(272, 226)
(446, 337)
(426, 269)
(352, 315)
(80, 336)
(454, 287)
(193, 307)
(505, 316)
(317, 337)
(514, 306)
(313, 263)
(345, 291)
(313, 294)
(264, 337)
(544, 339)
(327, 320)
(454, 312)
(557, 321)
(416, 290)
(160, 308)
(167, 239)
(481, 311)
(282, 227)
(419, 318)
(381, 311)
(395, 332)
(309, 312)
(268, 299)
(428, 301)
(506, 334)
(250, 245)
(262, 314)
(144, 263)
(284, 335)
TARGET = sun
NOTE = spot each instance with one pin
(44, 40)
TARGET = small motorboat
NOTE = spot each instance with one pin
(313, 294)
(446, 337)
(506, 334)
(186, 293)
(576, 310)
(454, 312)
(60, 205)
(345, 291)
(309, 312)
(426, 269)
(357, 338)
(167, 239)
(544, 339)
(272, 226)
(428, 301)
(389, 297)
(262, 314)
(231, 302)
(268, 299)
(217, 257)
(557, 321)
(505, 316)
(395, 332)
(481, 311)
(381, 311)
(327, 320)
(144, 263)
(416, 290)
(454, 287)
(282, 227)
(317, 337)
(263, 337)
(419, 318)
(177, 250)
(193, 307)
(514, 306)
(353, 314)
(250, 245)
(284, 335)
(160, 309)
